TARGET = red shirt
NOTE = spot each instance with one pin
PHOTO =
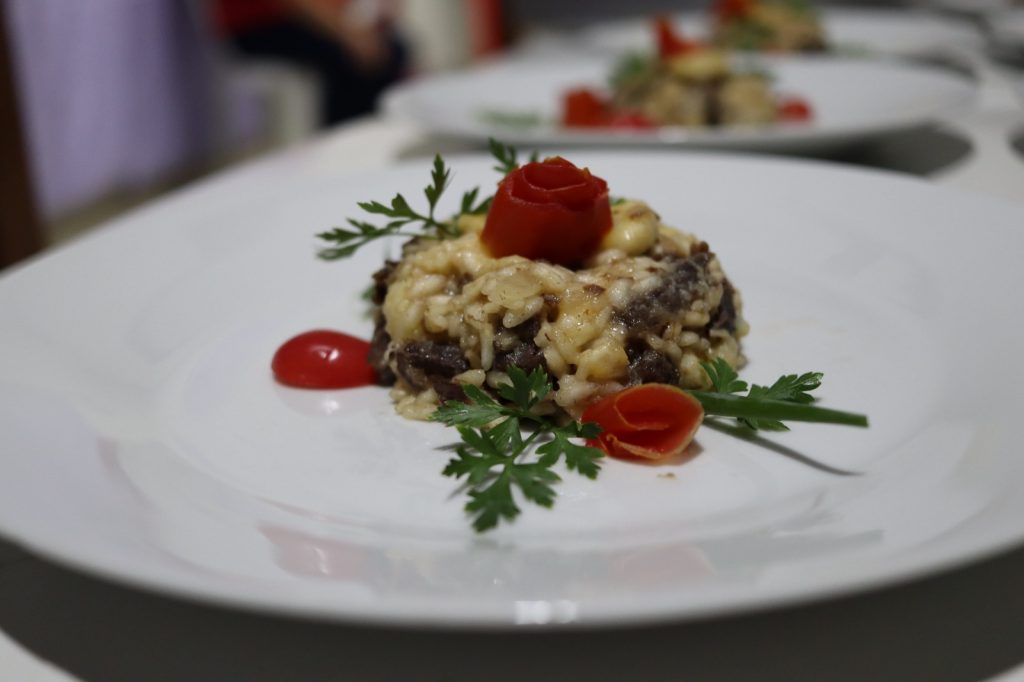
(235, 16)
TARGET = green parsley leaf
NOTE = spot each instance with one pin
(629, 68)
(764, 407)
(441, 176)
(489, 504)
(534, 480)
(495, 459)
(508, 435)
(577, 457)
(525, 390)
(347, 241)
(521, 120)
(469, 205)
(788, 388)
(478, 411)
(473, 466)
(723, 376)
(506, 156)
(799, 6)
(750, 34)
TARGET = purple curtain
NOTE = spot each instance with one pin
(114, 93)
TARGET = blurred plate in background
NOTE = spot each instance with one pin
(849, 30)
(519, 101)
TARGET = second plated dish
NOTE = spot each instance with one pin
(521, 101)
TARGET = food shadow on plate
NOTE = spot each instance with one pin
(694, 449)
(1017, 142)
(920, 151)
(752, 437)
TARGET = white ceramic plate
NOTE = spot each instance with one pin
(857, 30)
(852, 100)
(145, 440)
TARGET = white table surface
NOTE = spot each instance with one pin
(964, 625)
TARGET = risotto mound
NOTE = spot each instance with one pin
(648, 307)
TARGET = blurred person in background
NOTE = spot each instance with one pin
(351, 46)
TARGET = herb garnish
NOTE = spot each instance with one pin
(764, 407)
(507, 156)
(348, 241)
(494, 457)
(401, 213)
(629, 68)
(468, 206)
(521, 120)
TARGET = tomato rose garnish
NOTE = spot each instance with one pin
(733, 9)
(652, 421)
(584, 108)
(671, 43)
(548, 210)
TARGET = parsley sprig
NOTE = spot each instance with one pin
(764, 407)
(347, 240)
(630, 68)
(495, 458)
(402, 215)
(507, 156)
(469, 205)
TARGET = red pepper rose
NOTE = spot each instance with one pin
(652, 421)
(549, 210)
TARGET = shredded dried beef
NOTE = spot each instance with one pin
(725, 318)
(380, 282)
(654, 309)
(378, 356)
(522, 352)
(713, 112)
(648, 366)
(426, 364)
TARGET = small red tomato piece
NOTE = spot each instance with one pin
(651, 421)
(795, 109)
(584, 108)
(323, 359)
